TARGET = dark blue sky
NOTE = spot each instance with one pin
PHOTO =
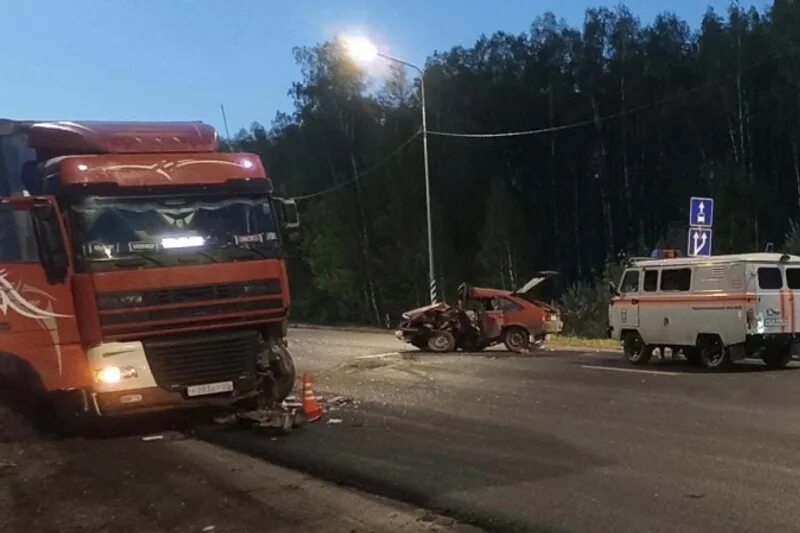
(179, 59)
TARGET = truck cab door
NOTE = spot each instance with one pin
(37, 313)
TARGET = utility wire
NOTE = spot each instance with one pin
(604, 118)
(361, 173)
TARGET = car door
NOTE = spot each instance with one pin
(37, 312)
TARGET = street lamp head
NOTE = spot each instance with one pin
(360, 48)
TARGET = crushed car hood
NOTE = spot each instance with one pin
(408, 315)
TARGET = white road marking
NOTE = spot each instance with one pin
(378, 355)
(614, 369)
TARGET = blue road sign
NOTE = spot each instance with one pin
(699, 242)
(701, 212)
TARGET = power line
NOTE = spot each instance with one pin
(361, 173)
(587, 122)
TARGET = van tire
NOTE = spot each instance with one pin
(713, 353)
(636, 351)
(777, 357)
(692, 355)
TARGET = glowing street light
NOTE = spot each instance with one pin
(363, 50)
(360, 48)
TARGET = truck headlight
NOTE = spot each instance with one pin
(112, 375)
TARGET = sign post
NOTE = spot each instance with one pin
(701, 220)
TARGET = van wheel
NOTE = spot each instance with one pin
(777, 357)
(692, 356)
(636, 351)
(516, 340)
(441, 341)
(713, 354)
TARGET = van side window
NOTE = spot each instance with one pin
(793, 278)
(770, 278)
(650, 280)
(676, 279)
(17, 240)
(630, 282)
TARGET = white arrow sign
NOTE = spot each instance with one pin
(699, 242)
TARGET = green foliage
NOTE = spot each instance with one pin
(791, 243)
(584, 305)
(713, 112)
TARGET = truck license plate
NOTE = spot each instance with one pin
(209, 388)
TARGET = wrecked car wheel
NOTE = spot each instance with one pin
(472, 345)
(441, 341)
(420, 344)
(516, 340)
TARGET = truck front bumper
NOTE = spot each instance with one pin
(152, 399)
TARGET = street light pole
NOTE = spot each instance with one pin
(434, 293)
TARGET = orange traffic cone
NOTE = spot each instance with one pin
(311, 408)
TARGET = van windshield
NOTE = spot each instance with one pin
(159, 231)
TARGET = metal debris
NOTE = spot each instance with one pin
(334, 421)
(151, 438)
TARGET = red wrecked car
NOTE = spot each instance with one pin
(484, 317)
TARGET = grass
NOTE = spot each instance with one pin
(566, 341)
(556, 341)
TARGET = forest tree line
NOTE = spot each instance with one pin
(655, 113)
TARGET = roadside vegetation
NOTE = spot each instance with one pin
(656, 111)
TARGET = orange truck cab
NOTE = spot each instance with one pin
(140, 268)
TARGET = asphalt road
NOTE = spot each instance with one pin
(564, 440)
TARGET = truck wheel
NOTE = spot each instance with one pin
(636, 351)
(692, 355)
(441, 341)
(777, 357)
(713, 354)
(283, 373)
(516, 340)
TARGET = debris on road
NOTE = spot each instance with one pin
(334, 421)
(151, 438)
(209, 529)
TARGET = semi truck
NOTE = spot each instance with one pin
(141, 269)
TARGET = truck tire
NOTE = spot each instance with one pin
(441, 341)
(777, 357)
(713, 354)
(636, 351)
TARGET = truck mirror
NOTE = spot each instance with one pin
(49, 239)
(290, 217)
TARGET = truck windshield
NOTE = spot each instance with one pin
(113, 233)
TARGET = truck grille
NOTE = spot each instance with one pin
(124, 315)
(177, 362)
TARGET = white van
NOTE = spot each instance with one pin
(715, 310)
